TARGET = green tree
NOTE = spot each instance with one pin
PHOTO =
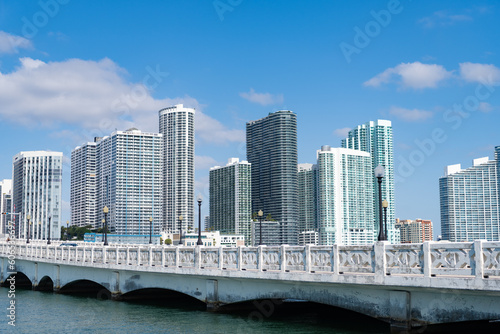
(168, 242)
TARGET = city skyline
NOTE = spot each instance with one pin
(429, 67)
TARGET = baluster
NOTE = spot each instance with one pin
(307, 259)
(478, 260)
(335, 259)
(283, 258)
(426, 259)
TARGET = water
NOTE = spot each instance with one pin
(46, 312)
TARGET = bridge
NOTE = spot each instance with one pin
(407, 285)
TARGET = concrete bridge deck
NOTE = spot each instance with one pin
(408, 285)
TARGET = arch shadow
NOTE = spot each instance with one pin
(162, 297)
(45, 284)
(20, 281)
(86, 288)
(302, 311)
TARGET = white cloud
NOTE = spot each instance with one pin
(262, 98)
(94, 97)
(443, 18)
(11, 43)
(211, 130)
(204, 162)
(413, 75)
(485, 107)
(202, 187)
(404, 146)
(342, 133)
(482, 73)
(410, 115)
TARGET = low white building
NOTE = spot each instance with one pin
(308, 238)
(209, 238)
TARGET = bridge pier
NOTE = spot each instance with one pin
(1, 270)
(34, 281)
(400, 311)
(116, 296)
(212, 296)
(57, 275)
(114, 285)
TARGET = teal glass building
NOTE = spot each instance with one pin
(345, 202)
(375, 137)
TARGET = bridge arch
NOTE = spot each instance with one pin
(86, 287)
(259, 310)
(45, 284)
(162, 296)
(21, 281)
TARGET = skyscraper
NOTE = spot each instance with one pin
(83, 193)
(345, 203)
(230, 199)
(36, 191)
(470, 207)
(272, 152)
(5, 204)
(307, 202)
(375, 137)
(414, 231)
(177, 127)
(129, 170)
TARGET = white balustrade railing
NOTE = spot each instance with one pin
(479, 258)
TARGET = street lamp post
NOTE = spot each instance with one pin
(28, 217)
(379, 174)
(180, 229)
(67, 229)
(199, 220)
(150, 230)
(105, 210)
(385, 204)
(48, 236)
(260, 214)
(102, 224)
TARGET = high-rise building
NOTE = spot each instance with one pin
(230, 199)
(177, 127)
(5, 204)
(129, 168)
(36, 192)
(375, 137)
(272, 152)
(414, 231)
(83, 193)
(307, 203)
(345, 202)
(470, 207)
(270, 234)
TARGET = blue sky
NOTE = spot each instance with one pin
(71, 70)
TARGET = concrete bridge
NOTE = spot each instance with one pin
(407, 285)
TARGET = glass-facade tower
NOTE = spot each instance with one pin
(129, 168)
(307, 197)
(230, 199)
(375, 137)
(5, 204)
(177, 127)
(345, 203)
(83, 195)
(36, 191)
(272, 152)
(470, 207)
